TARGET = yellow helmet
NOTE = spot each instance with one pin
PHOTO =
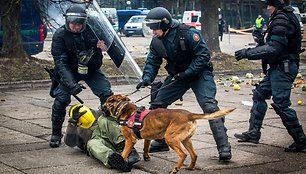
(87, 119)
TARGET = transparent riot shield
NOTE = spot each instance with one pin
(115, 47)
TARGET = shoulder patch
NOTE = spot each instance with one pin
(196, 37)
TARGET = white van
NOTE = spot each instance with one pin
(192, 18)
(134, 26)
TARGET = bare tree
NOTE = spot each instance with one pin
(10, 19)
(209, 20)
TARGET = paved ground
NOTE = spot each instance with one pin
(26, 127)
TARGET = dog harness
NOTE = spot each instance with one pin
(135, 122)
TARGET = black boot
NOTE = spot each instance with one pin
(57, 118)
(55, 140)
(255, 122)
(252, 136)
(293, 127)
(116, 161)
(133, 157)
(159, 146)
(296, 147)
(225, 153)
(299, 138)
(221, 138)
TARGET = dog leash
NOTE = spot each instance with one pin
(166, 86)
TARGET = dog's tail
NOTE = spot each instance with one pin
(214, 115)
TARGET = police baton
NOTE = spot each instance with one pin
(58, 81)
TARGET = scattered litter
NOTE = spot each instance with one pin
(235, 79)
(178, 103)
(3, 99)
(249, 75)
(299, 102)
(226, 90)
(299, 75)
(255, 82)
(236, 87)
(247, 103)
(304, 88)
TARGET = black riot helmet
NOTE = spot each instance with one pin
(278, 4)
(76, 14)
(158, 18)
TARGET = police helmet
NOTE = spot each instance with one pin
(76, 14)
(158, 18)
(278, 4)
(87, 119)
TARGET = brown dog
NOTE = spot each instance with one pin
(175, 125)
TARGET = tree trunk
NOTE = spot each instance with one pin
(209, 21)
(12, 46)
(238, 14)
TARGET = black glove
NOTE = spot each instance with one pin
(180, 76)
(241, 54)
(76, 89)
(143, 84)
(76, 114)
(258, 37)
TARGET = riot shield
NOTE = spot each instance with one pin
(115, 47)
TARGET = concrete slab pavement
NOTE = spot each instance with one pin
(26, 129)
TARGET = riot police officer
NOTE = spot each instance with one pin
(76, 57)
(281, 52)
(188, 62)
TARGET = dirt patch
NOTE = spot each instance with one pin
(26, 69)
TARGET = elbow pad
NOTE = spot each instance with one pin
(261, 52)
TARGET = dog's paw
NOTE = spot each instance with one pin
(146, 158)
(190, 167)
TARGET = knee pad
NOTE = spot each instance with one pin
(209, 107)
(158, 104)
(257, 95)
(259, 104)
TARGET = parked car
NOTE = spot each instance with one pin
(125, 15)
(134, 26)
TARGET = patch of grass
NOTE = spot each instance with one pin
(23, 69)
(26, 69)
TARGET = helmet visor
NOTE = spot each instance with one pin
(76, 18)
(153, 24)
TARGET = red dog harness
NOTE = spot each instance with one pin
(135, 122)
